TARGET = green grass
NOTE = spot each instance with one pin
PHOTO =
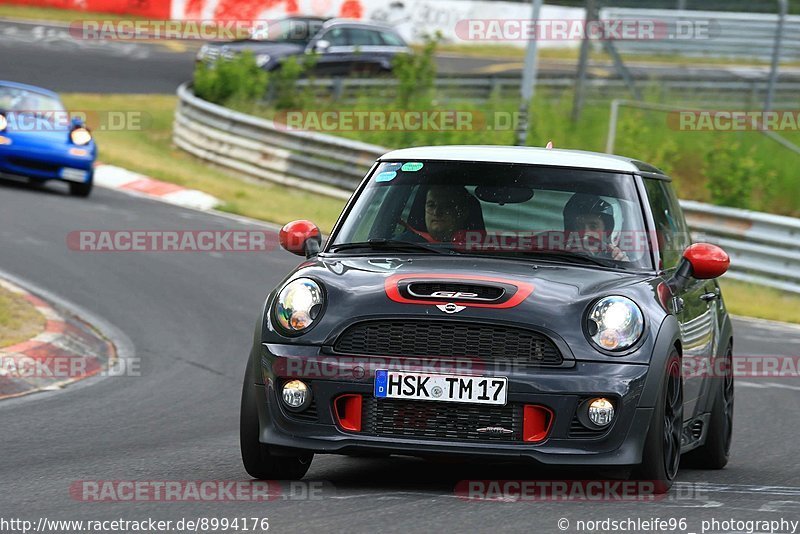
(516, 53)
(149, 151)
(645, 135)
(761, 302)
(19, 320)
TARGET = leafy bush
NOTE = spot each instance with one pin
(416, 74)
(238, 79)
(283, 90)
(736, 177)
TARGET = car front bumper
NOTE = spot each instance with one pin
(560, 389)
(47, 163)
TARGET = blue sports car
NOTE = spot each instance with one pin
(40, 141)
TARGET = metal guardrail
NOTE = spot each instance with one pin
(765, 249)
(262, 149)
(741, 35)
(746, 93)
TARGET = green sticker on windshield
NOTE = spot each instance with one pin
(411, 167)
(387, 176)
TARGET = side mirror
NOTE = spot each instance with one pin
(322, 46)
(301, 237)
(702, 261)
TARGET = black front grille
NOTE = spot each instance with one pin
(33, 164)
(441, 420)
(455, 339)
(425, 289)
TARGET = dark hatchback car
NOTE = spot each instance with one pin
(341, 47)
(495, 302)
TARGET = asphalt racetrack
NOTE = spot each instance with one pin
(188, 319)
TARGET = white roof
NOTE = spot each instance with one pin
(514, 154)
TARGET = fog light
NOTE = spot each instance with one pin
(296, 395)
(601, 412)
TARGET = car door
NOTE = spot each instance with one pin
(695, 311)
(335, 58)
(370, 55)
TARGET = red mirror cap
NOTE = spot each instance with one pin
(708, 261)
(294, 235)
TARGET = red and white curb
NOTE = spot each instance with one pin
(121, 179)
(66, 351)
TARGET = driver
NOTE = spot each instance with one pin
(593, 220)
(446, 212)
(446, 215)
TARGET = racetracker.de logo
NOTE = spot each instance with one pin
(172, 241)
(734, 120)
(559, 490)
(197, 30)
(197, 490)
(504, 30)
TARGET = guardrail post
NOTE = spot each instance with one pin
(612, 126)
(783, 7)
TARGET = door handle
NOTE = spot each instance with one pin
(708, 297)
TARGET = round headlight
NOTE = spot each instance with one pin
(298, 305)
(601, 412)
(80, 136)
(615, 323)
(296, 395)
(3, 122)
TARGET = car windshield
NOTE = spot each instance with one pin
(299, 31)
(502, 210)
(22, 100)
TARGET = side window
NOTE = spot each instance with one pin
(362, 37)
(390, 39)
(336, 36)
(671, 231)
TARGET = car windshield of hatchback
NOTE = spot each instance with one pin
(24, 101)
(291, 30)
(499, 209)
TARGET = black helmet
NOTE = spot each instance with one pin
(585, 204)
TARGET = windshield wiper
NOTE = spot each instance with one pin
(388, 244)
(577, 258)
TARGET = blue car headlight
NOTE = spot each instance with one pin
(615, 323)
(80, 136)
(3, 123)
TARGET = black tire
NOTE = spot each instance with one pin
(81, 189)
(715, 452)
(662, 449)
(258, 461)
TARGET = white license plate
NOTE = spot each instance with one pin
(74, 175)
(435, 387)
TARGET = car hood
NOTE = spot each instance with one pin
(262, 47)
(41, 137)
(365, 288)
